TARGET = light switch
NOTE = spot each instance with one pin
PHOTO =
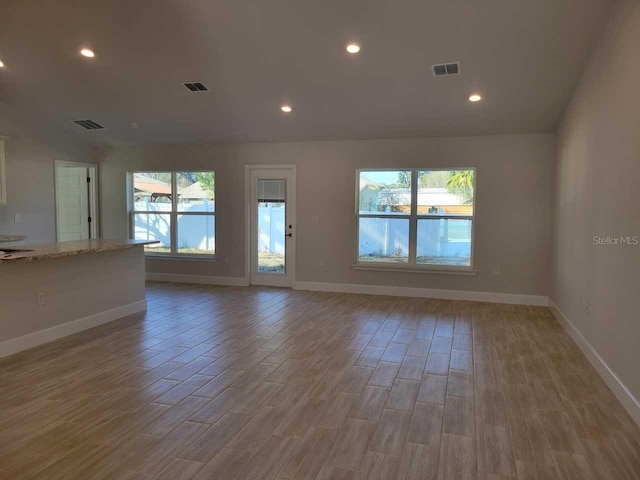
(17, 217)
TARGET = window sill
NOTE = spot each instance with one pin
(181, 258)
(414, 269)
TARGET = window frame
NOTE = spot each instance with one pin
(173, 215)
(411, 265)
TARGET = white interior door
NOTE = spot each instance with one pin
(272, 243)
(73, 210)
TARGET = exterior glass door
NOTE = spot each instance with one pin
(272, 242)
(272, 210)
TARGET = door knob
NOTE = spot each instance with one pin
(288, 234)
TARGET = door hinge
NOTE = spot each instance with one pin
(89, 219)
(88, 179)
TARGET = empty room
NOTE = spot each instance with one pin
(319, 240)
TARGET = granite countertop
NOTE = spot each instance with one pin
(65, 249)
(12, 238)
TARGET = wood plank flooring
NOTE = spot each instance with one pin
(255, 383)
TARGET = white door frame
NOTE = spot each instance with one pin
(291, 206)
(93, 194)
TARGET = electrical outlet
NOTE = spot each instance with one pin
(41, 301)
(314, 219)
(17, 217)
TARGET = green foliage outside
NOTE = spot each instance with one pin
(404, 180)
(184, 179)
(426, 178)
(160, 176)
(208, 181)
(434, 178)
(461, 182)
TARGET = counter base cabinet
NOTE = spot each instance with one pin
(41, 301)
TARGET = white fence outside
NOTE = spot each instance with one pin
(390, 236)
(271, 228)
(194, 231)
(378, 236)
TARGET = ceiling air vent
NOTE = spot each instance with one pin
(89, 124)
(196, 87)
(445, 69)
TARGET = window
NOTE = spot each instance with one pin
(183, 223)
(415, 218)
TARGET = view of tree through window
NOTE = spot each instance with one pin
(416, 217)
(177, 209)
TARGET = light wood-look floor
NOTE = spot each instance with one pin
(251, 383)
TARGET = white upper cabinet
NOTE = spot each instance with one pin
(3, 173)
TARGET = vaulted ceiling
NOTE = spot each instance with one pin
(523, 56)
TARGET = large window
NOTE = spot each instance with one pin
(417, 218)
(175, 208)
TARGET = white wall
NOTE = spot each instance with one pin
(513, 220)
(597, 185)
(30, 155)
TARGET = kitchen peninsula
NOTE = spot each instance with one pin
(49, 291)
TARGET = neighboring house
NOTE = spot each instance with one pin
(369, 195)
(151, 189)
(158, 191)
(194, 193)
(377, 198)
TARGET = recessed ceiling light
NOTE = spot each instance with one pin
(286, 108)
(1, 64)
(134, 124)
(475, 98)
(85, 52)
(353, 48)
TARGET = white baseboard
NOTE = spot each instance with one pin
(15, 345)
(510, 298)
(200, 279)
(620, 390)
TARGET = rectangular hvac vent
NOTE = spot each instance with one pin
(445, 69)
(89, 124)
(196, 87)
